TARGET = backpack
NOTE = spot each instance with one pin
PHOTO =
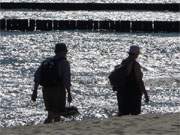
(48, 73)
(118, 77)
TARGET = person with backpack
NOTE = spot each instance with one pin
(126, 79)
(55, 78)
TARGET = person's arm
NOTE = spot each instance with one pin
(36, 84)
(140, 82)
(145, 92)
(34, 94)
(67, 78)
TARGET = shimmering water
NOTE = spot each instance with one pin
(92, 56)
(98, 1)
(88, 15)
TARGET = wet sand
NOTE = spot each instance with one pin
(147, 124)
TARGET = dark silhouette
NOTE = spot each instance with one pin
(129, 96)
(55, 78)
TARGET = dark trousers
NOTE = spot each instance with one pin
(128, 104)
(55, 101)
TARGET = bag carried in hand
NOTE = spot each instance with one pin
(49, 74)
(118, 77)
(71, 111)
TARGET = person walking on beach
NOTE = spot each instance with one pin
(55, 78)
(129, 94)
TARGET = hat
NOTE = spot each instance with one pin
(134, 49)
(60, 47)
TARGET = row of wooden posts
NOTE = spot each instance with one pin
(175, 7)
(108, 25)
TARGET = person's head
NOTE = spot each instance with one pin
(60, 48)
(134, 51)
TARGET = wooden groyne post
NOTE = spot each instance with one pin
(108, 25)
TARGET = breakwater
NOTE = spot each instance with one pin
(109, 25)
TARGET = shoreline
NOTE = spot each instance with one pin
(145, 124)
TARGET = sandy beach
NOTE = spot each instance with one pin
(146, 124)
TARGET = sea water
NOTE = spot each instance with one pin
(97, 1)
(91, 15)
(92, 56)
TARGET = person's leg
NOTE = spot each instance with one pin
(57, 117)
(122, 108)
(49, 118)
(48, 104)
(136, 107)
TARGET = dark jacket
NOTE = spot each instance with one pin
(64, 70)
(135, 75)
(55, 96)
(129, 99)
